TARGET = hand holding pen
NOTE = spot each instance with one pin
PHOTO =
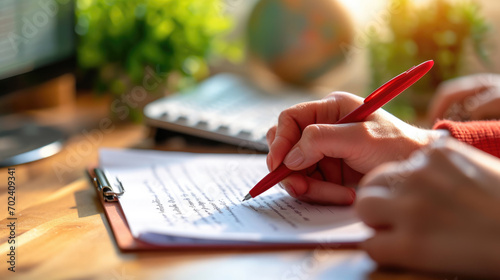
(319, 149)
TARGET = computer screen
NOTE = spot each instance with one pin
(37, 41)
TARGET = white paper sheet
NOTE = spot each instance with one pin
(198, 197)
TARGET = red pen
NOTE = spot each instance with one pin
(374, 101)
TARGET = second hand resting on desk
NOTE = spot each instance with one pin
(374, 101)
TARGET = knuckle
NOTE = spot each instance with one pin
(331, 95)
(284, 116)
(442, 151)
(335, 95)
(288, 116)
(382, 175)
(371, 132)
(438, 153)
(271, 132)
(414, 167)
(342, 98)
(311, 134)
(290, 113)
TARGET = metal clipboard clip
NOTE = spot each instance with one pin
(109, 192)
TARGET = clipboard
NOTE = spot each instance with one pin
(109, 191)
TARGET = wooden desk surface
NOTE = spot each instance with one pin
(62, 233)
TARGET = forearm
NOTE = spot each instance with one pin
(484, 135)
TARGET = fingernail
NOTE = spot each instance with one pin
(353, 195)
(269, 162)
(376, 191)
(294, 158)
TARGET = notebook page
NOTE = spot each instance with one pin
(199, 196)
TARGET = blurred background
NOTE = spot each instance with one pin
(332, 44)
(108, 48)
(320, 45)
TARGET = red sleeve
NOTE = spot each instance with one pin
(484, 135)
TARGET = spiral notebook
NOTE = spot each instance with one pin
(158, 200)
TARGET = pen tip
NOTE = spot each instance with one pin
(247, 197)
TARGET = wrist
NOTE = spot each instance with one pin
(429, 136)
(436, 134)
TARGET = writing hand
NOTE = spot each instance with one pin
(307, 140)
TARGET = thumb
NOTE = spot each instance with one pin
(320, 140)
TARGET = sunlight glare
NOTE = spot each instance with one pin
(363, 10)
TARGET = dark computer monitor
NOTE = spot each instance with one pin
(37, 43)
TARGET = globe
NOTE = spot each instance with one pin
(299, 40)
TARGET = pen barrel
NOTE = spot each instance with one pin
(358, 115)
(270, 180)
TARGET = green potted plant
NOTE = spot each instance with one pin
(122, 41)
(440, 30)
